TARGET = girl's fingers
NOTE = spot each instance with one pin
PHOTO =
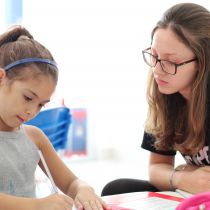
(78, 205)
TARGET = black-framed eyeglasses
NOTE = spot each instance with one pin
(167, 66)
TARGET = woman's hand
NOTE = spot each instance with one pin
(87, 199)
(55, 202)
(194, 179)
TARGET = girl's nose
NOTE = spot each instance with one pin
(31, 112)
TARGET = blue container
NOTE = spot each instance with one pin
(55, 124)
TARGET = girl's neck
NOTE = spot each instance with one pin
(4, 127)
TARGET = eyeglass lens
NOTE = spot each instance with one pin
(152, 62)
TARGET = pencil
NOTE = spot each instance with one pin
(47, 171)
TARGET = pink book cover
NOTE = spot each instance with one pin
(142, 200)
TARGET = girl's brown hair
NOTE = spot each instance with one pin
(16, 44)
(176, 123)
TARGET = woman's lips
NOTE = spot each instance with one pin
(161, 82)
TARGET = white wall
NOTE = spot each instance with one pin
(97, 44)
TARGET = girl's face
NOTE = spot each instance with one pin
(167, 46)
(22, 100)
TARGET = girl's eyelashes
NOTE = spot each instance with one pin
(27, 98)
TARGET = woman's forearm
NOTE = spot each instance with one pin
(166, 177)
(159, 176)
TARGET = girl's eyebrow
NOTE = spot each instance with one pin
(33, 93)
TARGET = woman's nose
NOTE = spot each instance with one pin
(158, 69)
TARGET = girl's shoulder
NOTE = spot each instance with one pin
(36, 135)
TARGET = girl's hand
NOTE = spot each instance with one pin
(55, 202)
(87, 199)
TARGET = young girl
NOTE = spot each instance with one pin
(179, 104)
(28, 77)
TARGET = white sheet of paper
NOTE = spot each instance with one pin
(74, 208)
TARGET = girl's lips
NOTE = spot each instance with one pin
(21, 119)
(161, 82)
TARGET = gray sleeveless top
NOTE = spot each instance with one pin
(18, 161)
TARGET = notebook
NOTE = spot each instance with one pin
(143, 201)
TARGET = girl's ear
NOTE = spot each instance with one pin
(2, 74)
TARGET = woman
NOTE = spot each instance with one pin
(179, 103)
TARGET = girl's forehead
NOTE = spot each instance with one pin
(37, 82)
(42, 86)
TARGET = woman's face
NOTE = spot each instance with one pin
(167, 46)
(22, 100)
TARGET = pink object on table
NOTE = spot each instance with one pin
(199, 201)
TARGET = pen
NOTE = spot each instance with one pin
(183, 193)
(47, 171)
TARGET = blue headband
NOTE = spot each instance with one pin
(30, 60)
